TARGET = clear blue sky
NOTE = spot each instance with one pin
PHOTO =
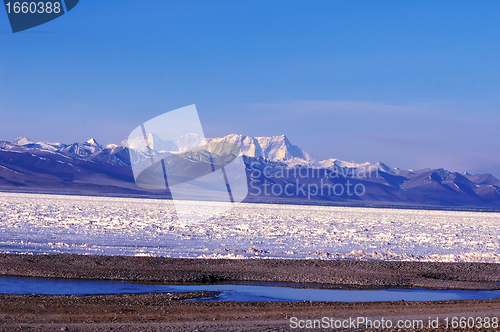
(411, 83)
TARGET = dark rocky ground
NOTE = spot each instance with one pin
(168, 312)
(353, 274)
(161, 312)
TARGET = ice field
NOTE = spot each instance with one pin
(39, 223)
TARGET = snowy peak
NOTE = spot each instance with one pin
(81, 149)
(336, 164)
(25, 142)
(274, 148)
(279, 148)
(249, 146)
(77, 149)
(332, 163)
(22, 141)
(111, 146)
(382, 167)
(92, 142)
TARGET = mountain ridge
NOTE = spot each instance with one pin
(93, 168)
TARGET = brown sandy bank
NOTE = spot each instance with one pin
(329, 272)
(159, 312)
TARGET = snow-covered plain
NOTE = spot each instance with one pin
(39, 223)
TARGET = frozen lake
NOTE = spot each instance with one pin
(39, 223)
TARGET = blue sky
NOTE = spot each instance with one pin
(414, 84)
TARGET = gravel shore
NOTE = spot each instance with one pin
(167, 312)
(331, 273)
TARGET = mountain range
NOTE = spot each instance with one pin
(271, 163)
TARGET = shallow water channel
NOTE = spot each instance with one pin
(238, 291)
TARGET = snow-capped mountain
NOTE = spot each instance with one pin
(90, 149)
(50, 146)
(92, 142)
(274, 148)
(90, 167)
(83, 149)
